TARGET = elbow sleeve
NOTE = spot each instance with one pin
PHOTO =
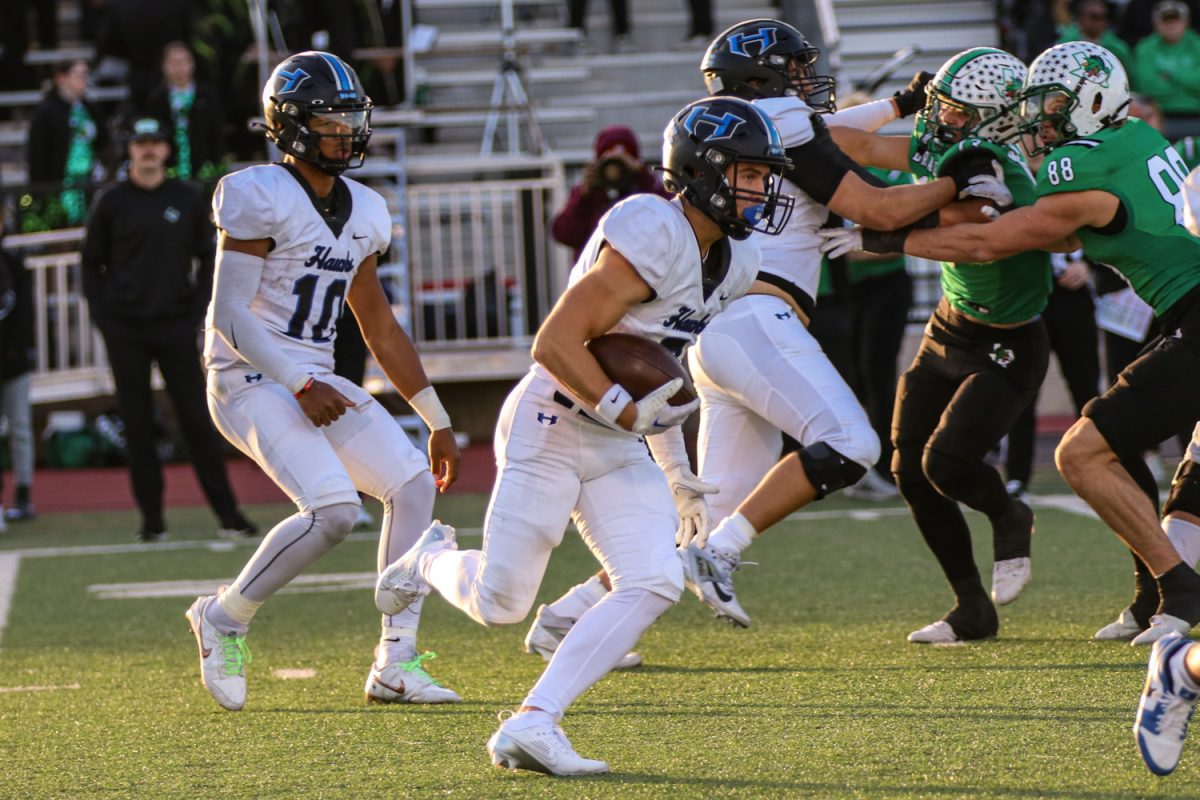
(235, 285)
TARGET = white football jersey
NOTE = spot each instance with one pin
(794, 255)
(311, 265)
(655, 236)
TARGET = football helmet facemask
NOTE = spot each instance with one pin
(1074, 89)
(766, 58)
(700, 145)
(313, 96)
(975, 94)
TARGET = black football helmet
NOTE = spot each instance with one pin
(315, 95)
(766, 58)
(707, 137)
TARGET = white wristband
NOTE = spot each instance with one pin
(613, 403)
(430, 409)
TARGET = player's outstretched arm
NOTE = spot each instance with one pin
(398, 358)
(1049, 224)
(589, 308)
(872, 149)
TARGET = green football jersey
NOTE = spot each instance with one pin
(1003, 292)
(1151, 248)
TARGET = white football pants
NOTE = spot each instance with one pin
(758, 371)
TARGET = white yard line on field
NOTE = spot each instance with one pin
(14, 689)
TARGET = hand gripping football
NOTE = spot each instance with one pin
(641, 365)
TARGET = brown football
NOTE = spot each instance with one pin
(641, 365)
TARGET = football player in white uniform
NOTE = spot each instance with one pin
(297, 241)
(758, 370)
(570, 443)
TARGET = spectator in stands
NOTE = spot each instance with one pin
(192, 112)
(700, 25)
(16, 361)
(616, 173)
(1090, 24)
(622, 40)
(1137, 19)
(1071, 324)
(15, 39)
(66, 138)
(148, 301)
(1167, 67)
(137, 31)
(880, 295)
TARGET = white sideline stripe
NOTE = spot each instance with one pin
(327, 582)
(1072, 504)
(12, 689)
(294, 673)
(9, 563)
(215, 545)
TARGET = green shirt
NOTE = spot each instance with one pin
(1003, 292)
(1170, 73)
(861, 270)
(1152, 249)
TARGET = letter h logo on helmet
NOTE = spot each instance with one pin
(294, 79)
(722, 127)
(764, 37)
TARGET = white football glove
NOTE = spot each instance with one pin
(654, 415)
(836, 242)
(688, 492)
(989, 187)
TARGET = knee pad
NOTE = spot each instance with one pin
(828, 470)
(335, 521)
(664, 579)
(1185, 489)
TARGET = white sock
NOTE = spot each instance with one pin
(1185, 537)
(1178, 667)
(735, 533)
(396, 644)
(230, 613)
(575, 603)
(597, 641)
(530, 719)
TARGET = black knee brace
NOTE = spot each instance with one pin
(828, 470)
(1185, 489)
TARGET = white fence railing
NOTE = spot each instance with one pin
(483, 272)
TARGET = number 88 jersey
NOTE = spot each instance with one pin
(314, 257)
(1146, 241)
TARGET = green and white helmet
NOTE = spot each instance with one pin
(974, 94)
(1074, 89)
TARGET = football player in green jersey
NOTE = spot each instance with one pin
(1113, 185)
(984, 353)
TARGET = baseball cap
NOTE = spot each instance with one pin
(1170, 8)
(146, 128)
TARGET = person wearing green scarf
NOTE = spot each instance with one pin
(193, 116)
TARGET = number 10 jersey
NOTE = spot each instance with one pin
(313, 259)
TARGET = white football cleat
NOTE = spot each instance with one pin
(543, 640)
(708, 573)
(406, 682)
(223, 658)
(540, 749)
(939, 632)
(1009, 577)
(1160, 626)
(400, 585)
(1124, 628)
(1166, 707)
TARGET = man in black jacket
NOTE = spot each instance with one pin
(143, 237)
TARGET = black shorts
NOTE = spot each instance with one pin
(1158, 394)
(967, 385)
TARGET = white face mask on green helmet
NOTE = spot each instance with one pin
(974, 94)
(1074, 89)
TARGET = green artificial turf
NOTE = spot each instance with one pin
(821, 697)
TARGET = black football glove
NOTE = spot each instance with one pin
(911, 98)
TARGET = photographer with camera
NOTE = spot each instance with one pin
(616, 173)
